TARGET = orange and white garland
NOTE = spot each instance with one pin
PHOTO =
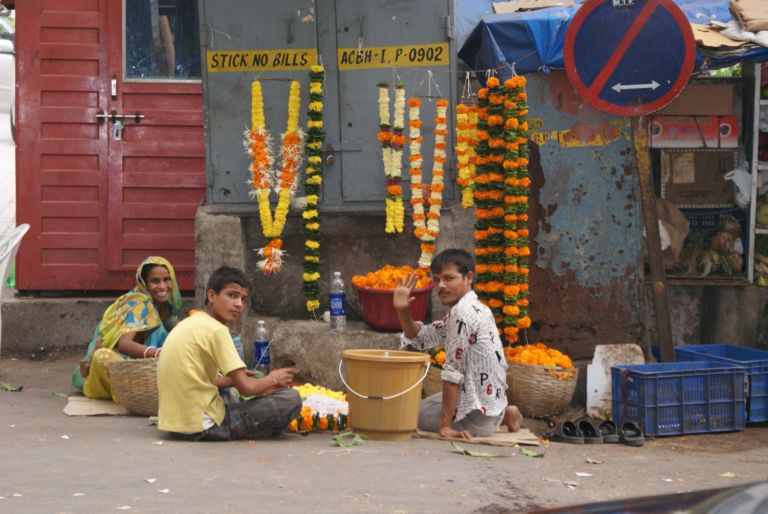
(392, 141)
(264, 178)
(466, 140)
(427, 225)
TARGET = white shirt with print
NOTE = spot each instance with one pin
(474, 356)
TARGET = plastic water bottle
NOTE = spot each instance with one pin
(238, 345)
(261, 349)
(338, 303)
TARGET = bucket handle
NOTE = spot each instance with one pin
(366, 397)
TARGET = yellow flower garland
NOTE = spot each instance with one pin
(264, 178)
(392, 140)
(310, 216)
(466, 135)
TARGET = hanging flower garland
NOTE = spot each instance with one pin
(310, 217)
(516, 184)
(427, 226)
(489, 201)
(466, 141)
(392, 141)
(258, 143)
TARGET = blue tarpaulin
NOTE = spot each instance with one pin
(533, 41)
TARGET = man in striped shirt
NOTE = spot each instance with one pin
(474, 399)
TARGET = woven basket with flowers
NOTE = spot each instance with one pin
(433, 383)
(540, 380)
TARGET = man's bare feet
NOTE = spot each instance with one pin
(512, 418)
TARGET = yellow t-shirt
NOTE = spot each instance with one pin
(194, 352)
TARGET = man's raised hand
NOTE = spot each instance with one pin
(402, 297)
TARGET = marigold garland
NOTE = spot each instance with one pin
(427, 226)
(312, 187)
(489, 198)
(516, 184)
(466, 141)
(392, 141)
(264, 177)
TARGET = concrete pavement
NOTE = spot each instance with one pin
(104, 464)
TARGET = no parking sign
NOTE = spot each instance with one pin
(629, 57)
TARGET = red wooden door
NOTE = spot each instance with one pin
(97, 206)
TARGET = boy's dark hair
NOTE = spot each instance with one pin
(226, 275)
(460, 258)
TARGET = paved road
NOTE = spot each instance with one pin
(104, 462)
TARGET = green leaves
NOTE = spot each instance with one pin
(469, 453)
(531, 453)
(347, 439)
(9, 388)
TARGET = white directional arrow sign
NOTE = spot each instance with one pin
(619, 87)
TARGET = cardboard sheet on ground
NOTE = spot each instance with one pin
(523, 437)
(82, 406)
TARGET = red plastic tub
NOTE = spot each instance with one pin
(378, 312)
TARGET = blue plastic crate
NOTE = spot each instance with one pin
(675, 398)
(755, 363)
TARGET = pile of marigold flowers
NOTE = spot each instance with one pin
(437, 356)
(388, 276)
(311, 421)
(538, 353)
(307, 389)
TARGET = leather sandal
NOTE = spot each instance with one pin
(609, 431)
(590, 431)
(631, 434)
(566, 432)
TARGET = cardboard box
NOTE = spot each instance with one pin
(694, 132)
(695, 179)
(702, 100)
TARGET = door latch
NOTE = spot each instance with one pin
(117, 130)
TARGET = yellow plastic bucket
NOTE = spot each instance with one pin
(384, 391)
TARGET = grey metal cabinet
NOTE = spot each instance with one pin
(360, 43)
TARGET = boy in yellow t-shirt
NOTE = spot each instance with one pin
(188, 380)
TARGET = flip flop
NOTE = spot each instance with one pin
(566, 432)
(609, 431)
(631, 434)
(589, 430)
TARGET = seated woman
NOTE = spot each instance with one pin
(134, 326)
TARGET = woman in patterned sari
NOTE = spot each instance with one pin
(134, 326)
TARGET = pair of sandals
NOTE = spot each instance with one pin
(587, 430)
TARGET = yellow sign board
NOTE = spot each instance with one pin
(280, 59)
(435, 54)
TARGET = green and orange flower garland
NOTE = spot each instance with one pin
(516, 184)
(312, 187)
(392, 140)
(264, 177)
(489, 198)
(427, 225)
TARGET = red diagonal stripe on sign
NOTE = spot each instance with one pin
(623, 46)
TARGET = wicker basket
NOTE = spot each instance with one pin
(433, 384)
(135, 384)
(540, 391)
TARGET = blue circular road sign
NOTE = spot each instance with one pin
(629, 57)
